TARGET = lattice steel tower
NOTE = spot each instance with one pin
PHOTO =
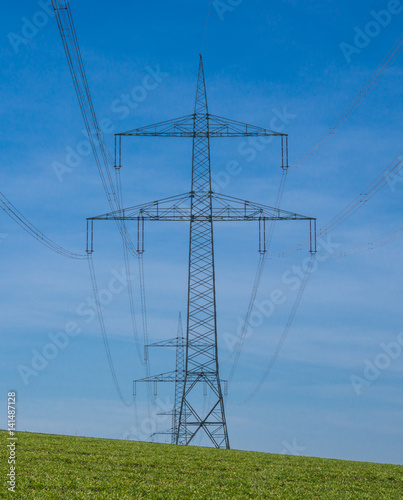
(201, 207)
(178, 377)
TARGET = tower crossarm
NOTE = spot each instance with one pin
(229, 208)
(172, 208)
(172, 376)
(169, 343)
(224, 208)
(224, 127)
(184, 127)
(177, 127)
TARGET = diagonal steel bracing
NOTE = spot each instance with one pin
(201, 207)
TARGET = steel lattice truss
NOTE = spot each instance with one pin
(216, 127)
(223, 208)
(201, 207)
(178, 377)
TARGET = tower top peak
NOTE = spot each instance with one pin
(201, 95)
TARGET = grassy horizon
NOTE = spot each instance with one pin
(70, 467)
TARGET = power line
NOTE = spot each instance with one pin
(126, 258)
(371, 245)
(376, 185)
(385, 64)
(103, 330)
(205, 29)
(286, 330)
(33, 231)
(380, 181)
(258, 277)
(102, 156)
(369, 192)
(371, 82)
(389, 238)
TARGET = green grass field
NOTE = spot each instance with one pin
(65, 467)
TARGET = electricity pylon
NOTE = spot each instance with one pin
(177, 376)
(201, 207)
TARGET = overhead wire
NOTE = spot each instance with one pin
(369, 192)
(144, 359)
(102, 156)
(205, 29)
(62, 10)
(389, 238)
(103, 331)
(144, 322)
(378, 183)
(33, 231)
(101, 153)
(126, 258)
(73, 54)
(387, 61)
(258, 277)
(368, 86)
(350, 209)
(280, 344)
(371, 245)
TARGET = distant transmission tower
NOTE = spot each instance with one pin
(201, 207)
(177, 376)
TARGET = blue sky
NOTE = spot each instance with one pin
(261, 60)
